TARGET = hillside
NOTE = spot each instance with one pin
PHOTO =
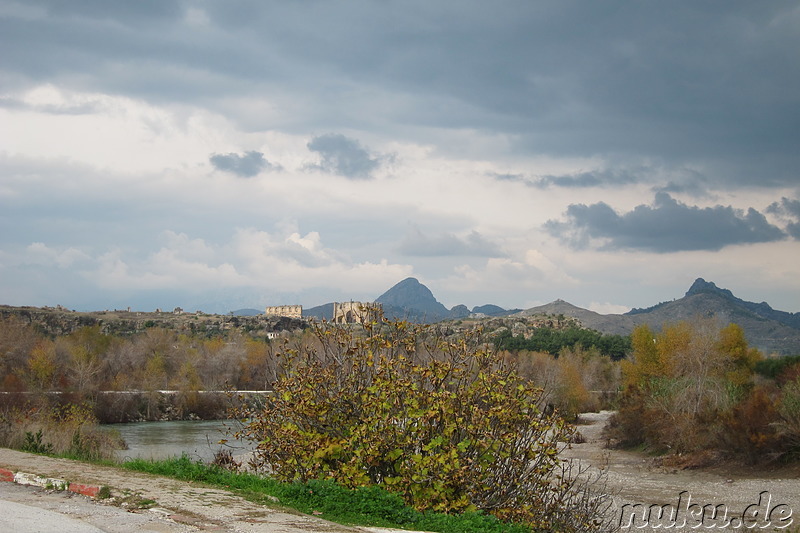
(765, 328)
(411, 300)
(611, 324)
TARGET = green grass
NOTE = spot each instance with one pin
(365, 506)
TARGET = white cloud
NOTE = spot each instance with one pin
(41, 254)
(606, 308)
(295, 261)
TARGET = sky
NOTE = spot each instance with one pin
(224, 155)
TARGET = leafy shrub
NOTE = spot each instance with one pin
(773, 367)
(33, 443)
(442, 422)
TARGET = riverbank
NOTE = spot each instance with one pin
(638, 478)
(115, 407)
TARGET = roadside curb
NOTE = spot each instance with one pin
(33, 480)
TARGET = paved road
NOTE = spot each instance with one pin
(26, 509)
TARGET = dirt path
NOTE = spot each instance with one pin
(191, 506)
(636, 478)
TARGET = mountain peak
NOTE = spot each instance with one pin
(411, 295)
(701, 286)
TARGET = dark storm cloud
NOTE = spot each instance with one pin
(789, 210)
(344, 156)
(448, 244)
(247, 165)
(666, 226)
(707, 82)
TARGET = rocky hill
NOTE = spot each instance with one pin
(611, 324)
(413, 301)
(768, 330)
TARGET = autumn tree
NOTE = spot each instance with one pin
(42, 366)
(682, 384)
(85, 349)
(17, 339)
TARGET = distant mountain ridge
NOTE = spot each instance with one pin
(701, 286)
(767, 329)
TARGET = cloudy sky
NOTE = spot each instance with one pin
(219, 155)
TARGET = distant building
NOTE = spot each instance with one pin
(291, 311)
(354, 312)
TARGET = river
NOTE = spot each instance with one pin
(160, 440)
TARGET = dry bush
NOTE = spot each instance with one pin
(68, 430)
(577, 381)
(750, 427)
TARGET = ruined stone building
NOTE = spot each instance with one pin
(354, 312)
(291, 311)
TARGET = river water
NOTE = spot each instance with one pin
(199, 439)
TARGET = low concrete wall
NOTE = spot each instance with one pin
(24, 478)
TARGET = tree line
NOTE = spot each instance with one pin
(553, 341)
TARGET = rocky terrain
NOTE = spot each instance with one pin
(60, 321)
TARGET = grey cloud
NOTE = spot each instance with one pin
(344, 156)
(786, 206)
(666, 226)
(697, 188)
(593, 178)
(247, 165)
(789, 210)
(686, 81)
(67, 108)
(519, 178)
(448, 244)
(598, 178)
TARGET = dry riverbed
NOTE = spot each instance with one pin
(635, 477)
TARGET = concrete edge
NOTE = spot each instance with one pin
(33, 480)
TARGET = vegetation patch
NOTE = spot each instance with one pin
(693, 389)
(68, 431)
(367, 506)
